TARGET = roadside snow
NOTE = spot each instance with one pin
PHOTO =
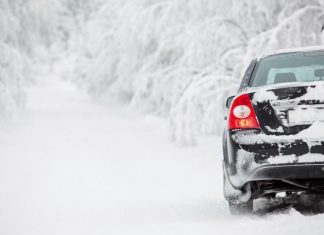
(71, 166)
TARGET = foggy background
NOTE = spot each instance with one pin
(96, 96)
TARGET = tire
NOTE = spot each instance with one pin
(241, 208)
(310, 204)
(232, 195)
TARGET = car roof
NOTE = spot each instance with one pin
(293, 50)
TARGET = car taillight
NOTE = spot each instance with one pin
(242, 115)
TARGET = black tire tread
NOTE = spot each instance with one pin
(241, 208)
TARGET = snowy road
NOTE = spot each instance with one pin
(71, 166)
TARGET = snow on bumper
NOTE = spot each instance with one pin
(261, 157)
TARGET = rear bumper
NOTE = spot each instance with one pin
(250, 171)
(251, 158)
(292, 171)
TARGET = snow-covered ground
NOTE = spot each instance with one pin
(69, 165)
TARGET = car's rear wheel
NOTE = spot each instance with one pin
(241, 208)
(237, 207)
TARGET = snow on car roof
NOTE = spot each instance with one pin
(292, 50)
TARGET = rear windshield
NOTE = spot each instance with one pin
(290, 67)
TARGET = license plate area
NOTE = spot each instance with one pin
(304, 115)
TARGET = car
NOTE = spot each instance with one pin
(273, 143)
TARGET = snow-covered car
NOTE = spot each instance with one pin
(274, 137)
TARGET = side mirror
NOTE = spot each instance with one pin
(229, 101)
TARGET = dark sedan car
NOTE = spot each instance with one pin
(274, 137)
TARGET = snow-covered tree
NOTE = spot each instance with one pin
(176, 58)
(180, 59)
(26, 28)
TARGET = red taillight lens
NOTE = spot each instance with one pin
(242, 115)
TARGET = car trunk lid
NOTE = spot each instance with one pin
(288, 109)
